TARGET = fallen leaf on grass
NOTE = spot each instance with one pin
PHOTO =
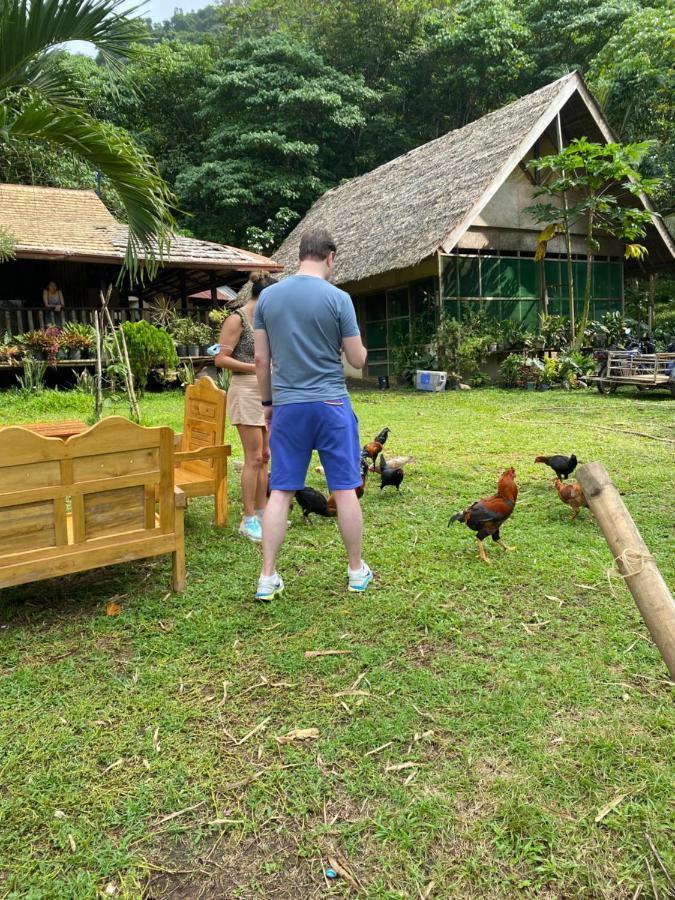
(553, 598)
(113, 609)
(605, 810)
(225, 822)
(352, 694)
(113, 765)
(156, 746)
(399, 767)
(426, 893)
(59, 814)
(585, 587)
(71, 841)
(298, 734)
(314, 654)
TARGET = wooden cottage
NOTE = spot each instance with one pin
(444, 225)
(71, 238)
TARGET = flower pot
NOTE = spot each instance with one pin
(204, 351)
(544, 387)
(383, 382)
(192, 350)
(539, 343)
(62, 354)
(74, 354)
(38, 355)
(532, 385)
(492, 348)
(181, 350)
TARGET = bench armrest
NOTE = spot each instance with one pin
(179, 498)
(222, 451)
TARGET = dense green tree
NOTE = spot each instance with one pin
(634, 77)
(282, 127)
(566, 34)
(465, 62)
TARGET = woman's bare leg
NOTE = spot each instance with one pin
(261, 489)
(251, 440)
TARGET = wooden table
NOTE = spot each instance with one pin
(61, 430)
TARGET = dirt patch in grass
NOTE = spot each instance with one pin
(267, 864)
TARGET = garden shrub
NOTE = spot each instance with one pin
(148, 347)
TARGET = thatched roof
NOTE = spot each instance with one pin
(59, 223)
(409, 208)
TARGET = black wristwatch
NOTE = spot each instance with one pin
(266, 402)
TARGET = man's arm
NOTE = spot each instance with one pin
(355, 352)
(262, 369)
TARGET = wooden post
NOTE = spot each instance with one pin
(213, 285)
(650, 302)
(633, 559)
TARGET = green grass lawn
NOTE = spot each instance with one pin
(522, 697)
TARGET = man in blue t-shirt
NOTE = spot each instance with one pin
(302, 325)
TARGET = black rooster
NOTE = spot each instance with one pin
(561, 465)
(312, 501)
(381, 438)
(389, 476)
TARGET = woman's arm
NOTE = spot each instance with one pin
(62, 304)
(45, 295)
(229, 338)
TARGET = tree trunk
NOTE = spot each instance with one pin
(583, 321)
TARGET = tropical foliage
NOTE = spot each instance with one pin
(40, 103)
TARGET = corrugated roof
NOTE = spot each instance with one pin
(60, 223)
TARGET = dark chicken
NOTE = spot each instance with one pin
(312, 501)
(561, 465)
(389, 476)
(487, 516)
(381, 438)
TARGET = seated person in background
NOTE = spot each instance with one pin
(52, 298)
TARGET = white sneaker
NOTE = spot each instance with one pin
(268, 587)
(359, 580)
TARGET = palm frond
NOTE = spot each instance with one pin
(29, 31)
(145, 196)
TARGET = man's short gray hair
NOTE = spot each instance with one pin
(316, 244)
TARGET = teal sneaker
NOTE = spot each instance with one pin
(268, 587)
(250, 527)
(359, 581)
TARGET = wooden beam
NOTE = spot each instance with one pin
(632, 558)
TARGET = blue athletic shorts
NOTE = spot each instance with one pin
(328, 426)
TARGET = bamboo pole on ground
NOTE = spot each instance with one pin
(633, 560)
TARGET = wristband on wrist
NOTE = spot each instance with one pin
(266, 402)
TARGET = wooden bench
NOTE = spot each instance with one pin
(101, 497)
(201, 461)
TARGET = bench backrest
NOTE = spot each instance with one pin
(100, 484)
(204, 422)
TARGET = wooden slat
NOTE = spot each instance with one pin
(55, 564)
(115, 511)
(35, 495)
(114, 464)
(28, 527)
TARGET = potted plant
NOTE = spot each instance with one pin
(41, 345)
(550, 374)
(509, 370)
(204, 336)
(78, 339)
(186, 337)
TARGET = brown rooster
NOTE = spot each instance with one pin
(573, 496)
(374, 448)
(487, 516)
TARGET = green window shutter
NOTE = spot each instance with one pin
(509, 277)
(615, 280)
(491, 276)
(601, 279)
(469, 282)
(529, 278)
(449, 279)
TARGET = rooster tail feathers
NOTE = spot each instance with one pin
(458, 517)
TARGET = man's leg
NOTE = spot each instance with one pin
(274, 524)
(350, 521)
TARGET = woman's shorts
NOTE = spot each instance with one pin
(243, 401)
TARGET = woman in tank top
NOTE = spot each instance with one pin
(244, 408)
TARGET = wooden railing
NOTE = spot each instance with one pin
(18, 320)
